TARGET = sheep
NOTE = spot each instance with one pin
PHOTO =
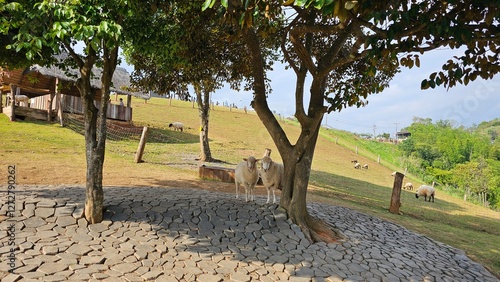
(408, 186)
(272, 175)
(21, 98)
(246, 173)
(357, 165)
(354, 161)
(365, 166)
(177, 126)
(426, 191)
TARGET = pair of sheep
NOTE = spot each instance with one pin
(358, 165)
(247, 174)
(177, 126)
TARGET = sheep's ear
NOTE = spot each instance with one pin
(245, 159)
(258, 160)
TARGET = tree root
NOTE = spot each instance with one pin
(316, 230)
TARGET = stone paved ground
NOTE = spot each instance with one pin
(166, 234)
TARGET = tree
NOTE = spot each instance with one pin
(59, 26)
(180, 50)
(352, 49)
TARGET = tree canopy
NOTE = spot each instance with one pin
(349, 50)
(42, 29)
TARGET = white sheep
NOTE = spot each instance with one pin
(177, 126)
(21, 98)
(365, 166)
(272, 175)
(246, 173)
(408, 186)
(426, 191)
(357, 165)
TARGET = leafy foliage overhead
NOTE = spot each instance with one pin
(176, 49)
(381, 36)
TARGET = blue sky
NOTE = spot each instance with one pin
(397, 105)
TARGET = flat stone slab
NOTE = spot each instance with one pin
(53, 267)
(166, 234)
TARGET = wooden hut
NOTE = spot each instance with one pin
(52, 91)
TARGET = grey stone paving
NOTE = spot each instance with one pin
(161, 234)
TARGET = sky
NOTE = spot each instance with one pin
(395, 107)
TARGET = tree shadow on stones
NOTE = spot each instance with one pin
(234, 234)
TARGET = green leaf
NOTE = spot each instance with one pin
(438, 81)
(319, 4)
(224, 3)
(207, 4)
(424, 84)
(38, 43)
(300, 3)
(104, 27)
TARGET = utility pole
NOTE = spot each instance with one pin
(374, 128)
(396, 135)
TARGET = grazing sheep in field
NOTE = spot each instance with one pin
(177, 126)
(365, 166)
(21, 98)
(272, 175)
(246, 173)
(354, 161)
(357, 165)
(426, 191)
(408, 186)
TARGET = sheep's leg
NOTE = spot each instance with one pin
(237, 190)
(268, 194)
(246, 191)
(274, 196)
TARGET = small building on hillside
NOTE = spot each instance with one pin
(402, 135)
(52, 91)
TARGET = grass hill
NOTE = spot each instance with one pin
(49, 154)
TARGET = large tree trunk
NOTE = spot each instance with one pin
(297, 159)
(94, 197)
(204, 111)
(95, 130)
(294, 193)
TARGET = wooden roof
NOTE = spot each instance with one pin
(38, 80)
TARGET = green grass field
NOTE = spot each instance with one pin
(49, 154)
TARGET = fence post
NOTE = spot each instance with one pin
(142, 144)
(396, 193)
(13, 91)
